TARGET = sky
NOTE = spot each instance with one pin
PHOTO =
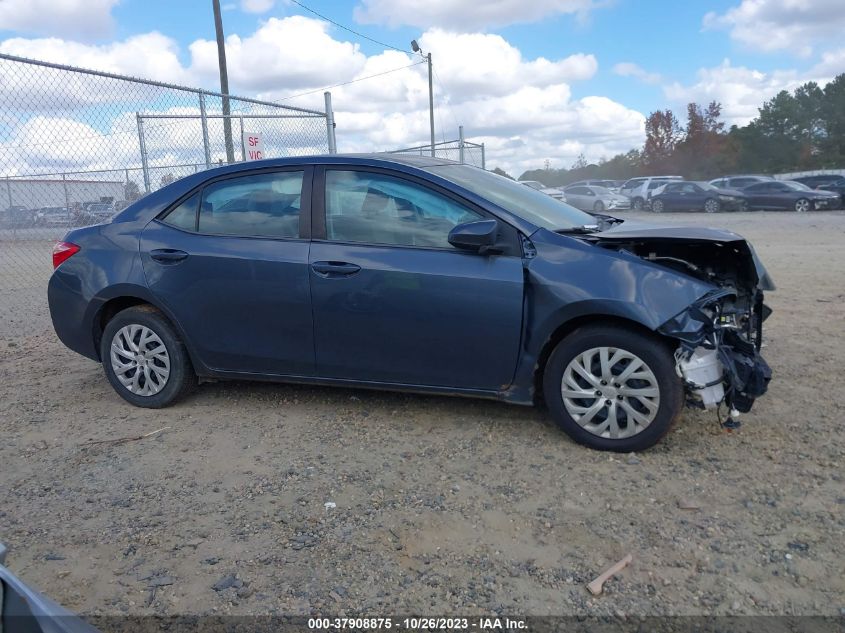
(537, 81)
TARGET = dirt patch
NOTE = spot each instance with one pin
(440, 504)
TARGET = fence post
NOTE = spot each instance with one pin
(483, 163)
(243, 146)
(64, 186)
(204, 120)
(330, 123)
(461, 144)
(11, 219)
(144, 165)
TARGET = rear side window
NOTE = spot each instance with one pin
(185, 215)
(258, 205)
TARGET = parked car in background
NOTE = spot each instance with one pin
(834, 183)
(101, 211)
(640, 189)
(627, 187)
(817, 181)
(738, 182)
(554, 192)
(594, 199)
(414, 274)
(17, 217)
(788, 194)
(697, 196)
(54, 216)
(613, 185)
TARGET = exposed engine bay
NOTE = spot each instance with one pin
(720, 335)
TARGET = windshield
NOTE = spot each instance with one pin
(536, 207)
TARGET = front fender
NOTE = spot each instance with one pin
(570, 279)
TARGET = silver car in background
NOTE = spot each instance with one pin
(593, 199)
(554, 192)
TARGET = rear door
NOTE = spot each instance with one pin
(230, 261)
(393, 301)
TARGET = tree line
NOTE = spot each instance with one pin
(798, 131)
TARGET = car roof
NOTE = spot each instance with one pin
(372, 159)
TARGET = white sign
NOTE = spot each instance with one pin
(253, 146)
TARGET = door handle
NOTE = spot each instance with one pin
(335, 269)
(168, 255)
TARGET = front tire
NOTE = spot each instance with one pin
(144, 359)
(657, 206)
(711, 205)
(598, 207)
(612, 388)
(802, 205)
(637, 204)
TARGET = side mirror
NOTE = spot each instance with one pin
(479, 236)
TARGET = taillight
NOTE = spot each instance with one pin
(63, 251)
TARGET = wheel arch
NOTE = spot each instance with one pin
(566, 328)
(122, 297)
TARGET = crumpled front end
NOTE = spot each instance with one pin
(718, 355)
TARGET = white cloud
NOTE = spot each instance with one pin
(86, 19)
(292, 52)
(522, 108)
(149, 55)
(630, 69)
(465, 15)
(832, 63)
(740, 90)
(257, 6)
(475, 63)
(772, 25)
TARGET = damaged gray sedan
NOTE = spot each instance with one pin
(415, 274)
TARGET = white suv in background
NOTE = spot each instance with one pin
(640, 190)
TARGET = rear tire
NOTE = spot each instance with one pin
(637, 204)
(144, 359)
(644, 403)
(598, 207)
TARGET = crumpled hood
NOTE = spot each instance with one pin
(643, 231)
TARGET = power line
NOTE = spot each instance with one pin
(346, 28)
(352, 81)
(448, 105)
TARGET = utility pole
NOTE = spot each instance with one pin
(430, 104)
(416, 48)
(224, 82)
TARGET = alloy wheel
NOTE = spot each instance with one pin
(802, 205)
(711, 206)
(610, 392)
(140, 360)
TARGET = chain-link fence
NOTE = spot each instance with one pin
(459, 150)
(77, 146)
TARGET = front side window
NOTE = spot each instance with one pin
(376, 208)
(258, 205)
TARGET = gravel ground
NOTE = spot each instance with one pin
(262, 498)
